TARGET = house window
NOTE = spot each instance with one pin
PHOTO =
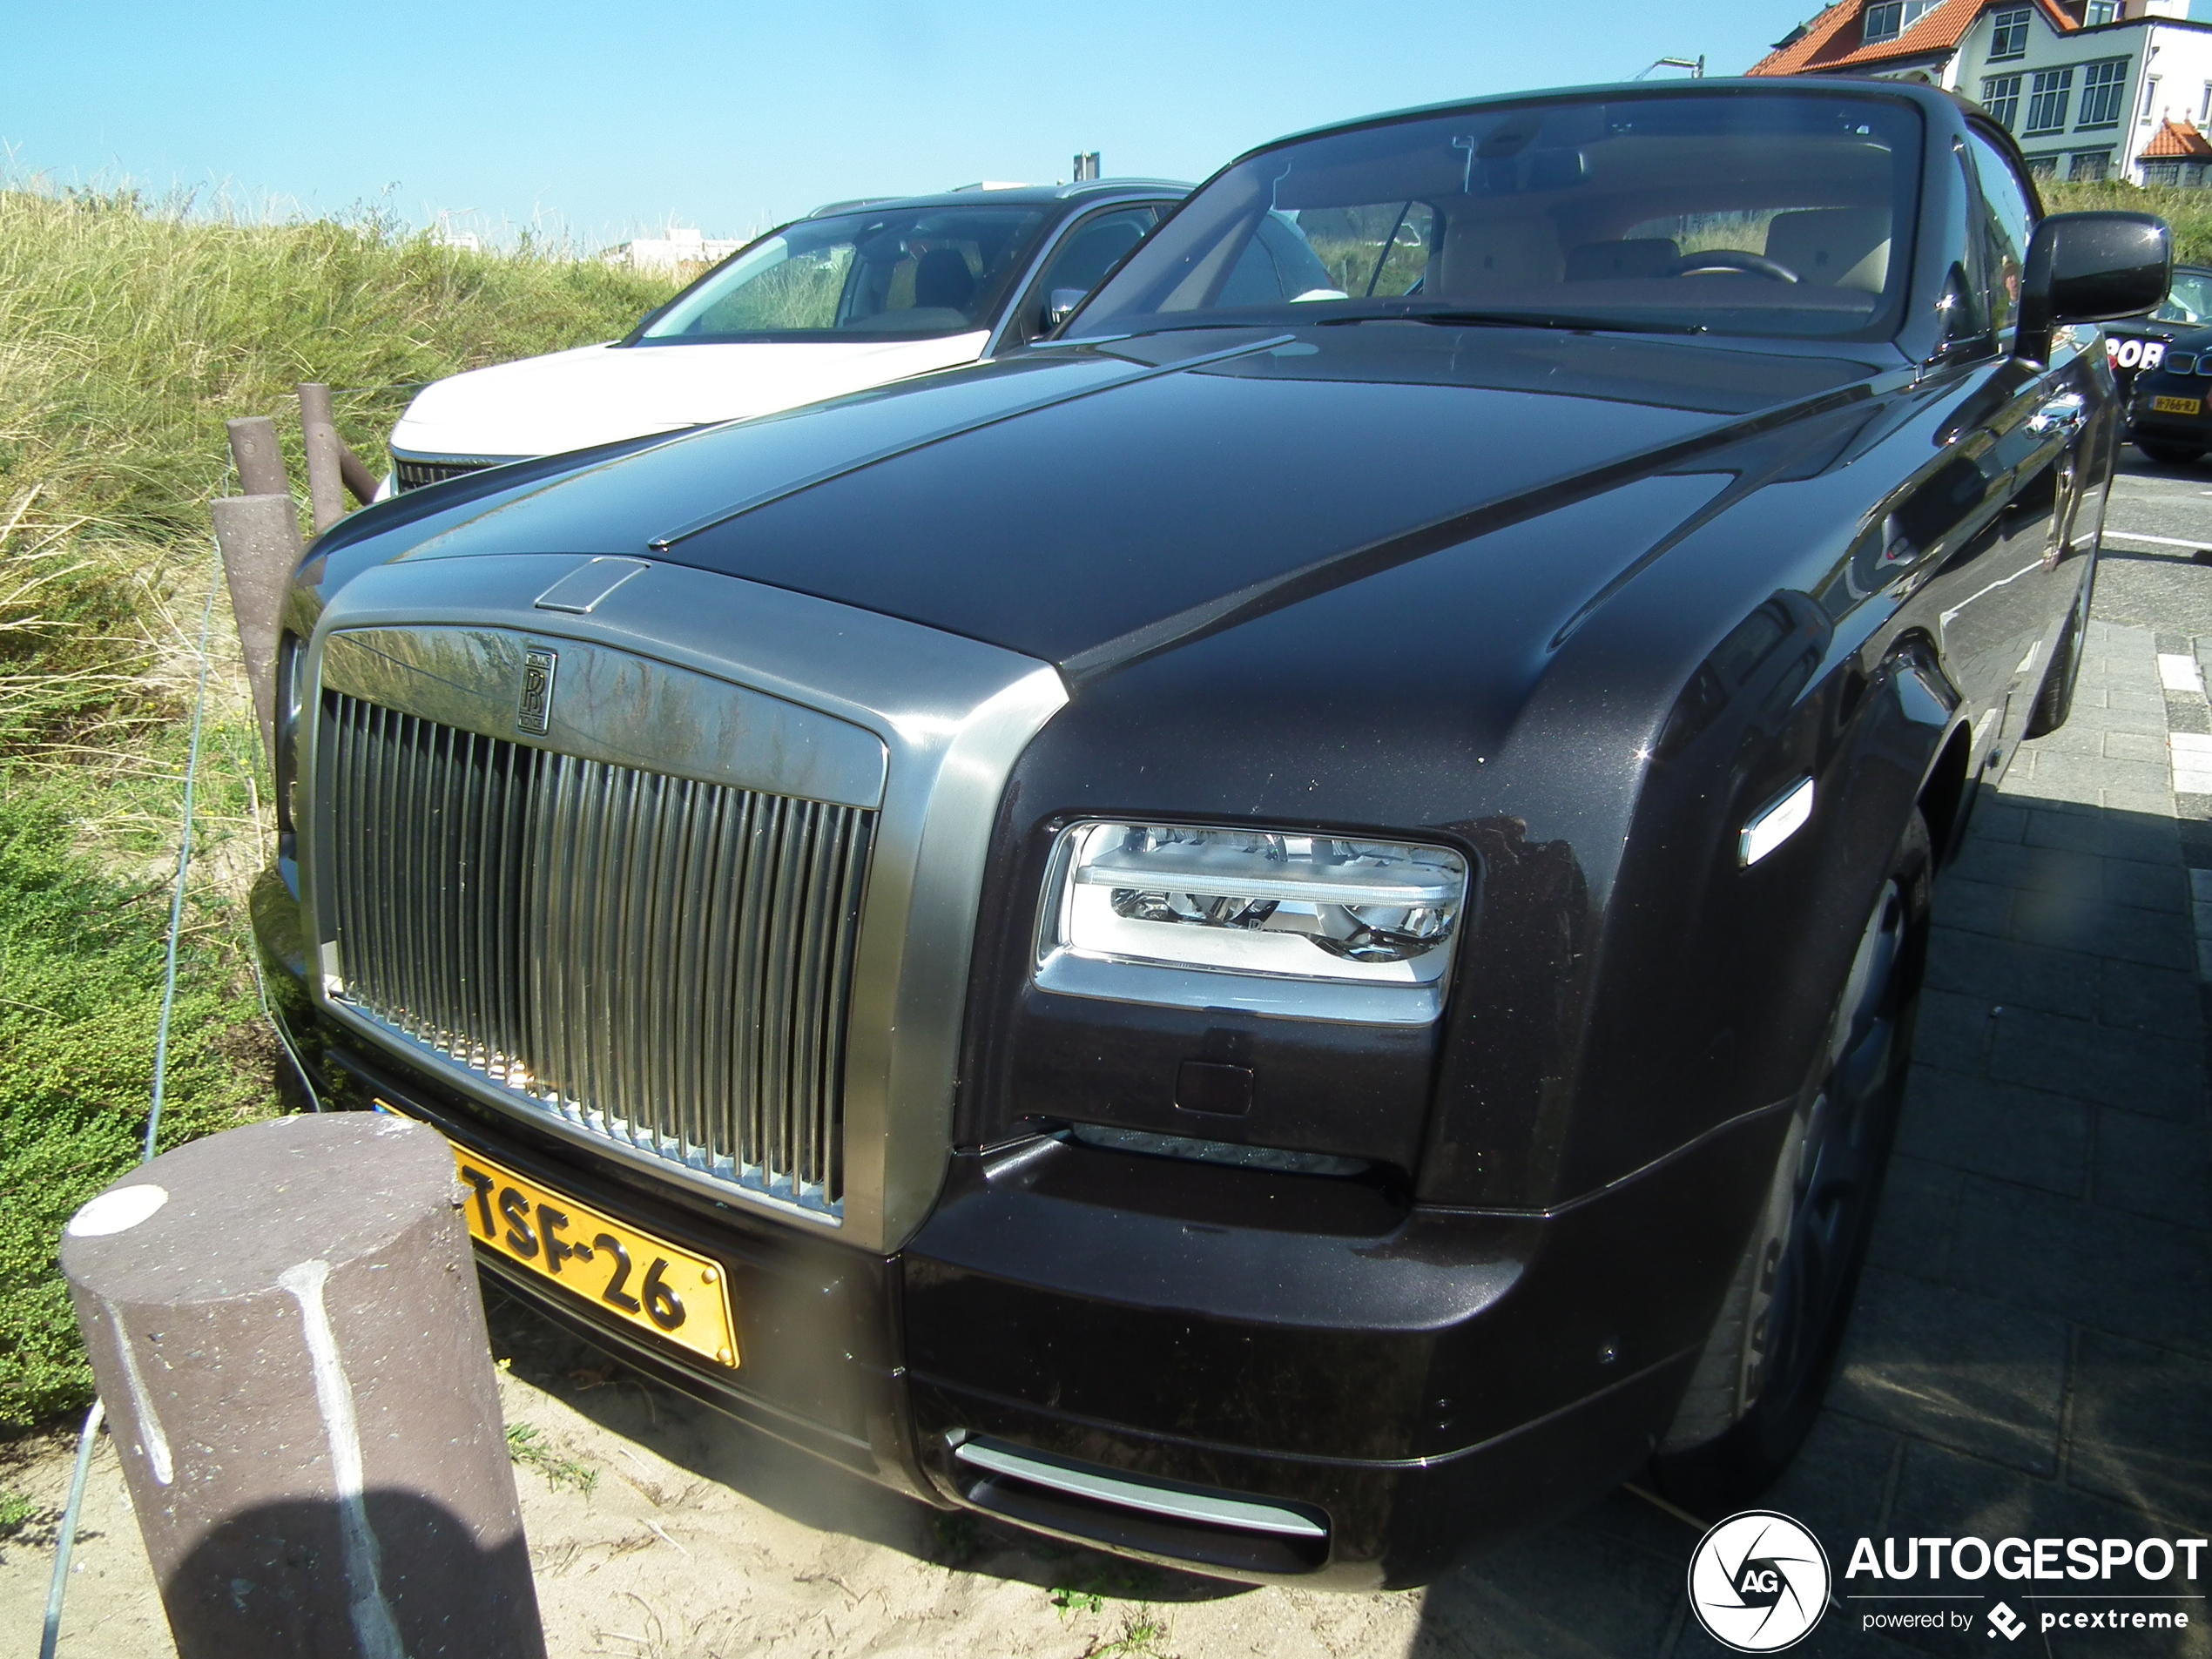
(2204, 110)
(1887, 19)
(2161, 172)
(2008, 33)
(2150, 99)
(2001, 95)
(2090, 164)
(2102, 87)
(2047, 97)
(2042, 167)
(2103, 11)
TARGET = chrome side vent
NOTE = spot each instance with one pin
(661, 962)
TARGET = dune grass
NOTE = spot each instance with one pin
(128, 334)
(2189, 211)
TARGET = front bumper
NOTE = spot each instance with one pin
(1417, 1379)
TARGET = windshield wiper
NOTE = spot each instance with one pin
(1453, 318)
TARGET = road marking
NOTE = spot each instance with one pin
(2157, 540)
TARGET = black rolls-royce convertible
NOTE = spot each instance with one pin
(1280, 934)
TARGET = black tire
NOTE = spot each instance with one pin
(1758, 1383)
(2170, 454)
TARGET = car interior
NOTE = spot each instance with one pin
(913, 272)
(1676, 208)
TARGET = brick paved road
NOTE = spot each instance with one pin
(2031, 1355)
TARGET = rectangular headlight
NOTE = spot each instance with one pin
(1311, 926)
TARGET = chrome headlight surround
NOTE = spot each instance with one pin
(1284, 922)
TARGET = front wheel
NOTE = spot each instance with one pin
(1758, 1384)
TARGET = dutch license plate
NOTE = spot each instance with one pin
(2177, 405)
(620, 1269)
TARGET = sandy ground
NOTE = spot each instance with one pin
(659, 1531)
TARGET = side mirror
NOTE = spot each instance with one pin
(2091, 267)
(1061, 306)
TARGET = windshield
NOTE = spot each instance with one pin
(900, 272)
(1756, 214)
(2189, 300)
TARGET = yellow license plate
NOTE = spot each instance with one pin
(2177, 405)
(618, 1268)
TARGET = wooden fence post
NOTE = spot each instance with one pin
(260, 462)
(260, 539)
(326, 490)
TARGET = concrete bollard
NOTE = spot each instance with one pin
(326, 487)
(286, 1329)
(260, 539)
(260, 462)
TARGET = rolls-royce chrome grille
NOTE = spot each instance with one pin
(661, 961)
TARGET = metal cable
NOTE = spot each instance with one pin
(65, 1542)
(184, 866)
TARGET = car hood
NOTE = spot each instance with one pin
(572, 399)
(1080, 503)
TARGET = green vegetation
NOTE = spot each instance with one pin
(526, 1446)
(17, 1512)
(128, 334)
(2189, 211)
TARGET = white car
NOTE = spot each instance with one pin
(853, 296)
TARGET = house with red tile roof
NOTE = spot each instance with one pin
(2092, 89)
(2180, 154)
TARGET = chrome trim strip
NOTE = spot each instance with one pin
(614, 706)
(1074, 973)
(1240, 1512)
(952, 716)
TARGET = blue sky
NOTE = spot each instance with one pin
(599, 120)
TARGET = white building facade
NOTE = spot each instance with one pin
(2093, 89)
(2087, 102)
(682, 245)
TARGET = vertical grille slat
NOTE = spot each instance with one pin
(664, 962)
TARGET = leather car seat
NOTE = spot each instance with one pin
(942, 280)
(1479, 254)
(1837, 248)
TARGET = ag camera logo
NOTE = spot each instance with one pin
(1758, 1582)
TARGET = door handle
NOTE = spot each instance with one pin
(2062, 415)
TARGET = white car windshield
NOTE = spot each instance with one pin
(1736, 211)
(900, 272)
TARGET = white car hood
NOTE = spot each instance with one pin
(572, 399)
